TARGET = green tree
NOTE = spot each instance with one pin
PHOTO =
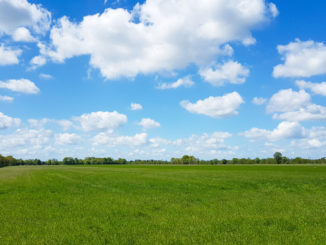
(278, 157)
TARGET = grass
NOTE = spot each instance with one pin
(163, 205)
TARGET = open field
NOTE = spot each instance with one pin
(163, 205)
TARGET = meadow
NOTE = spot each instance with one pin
(132, 204)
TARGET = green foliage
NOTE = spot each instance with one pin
(130, 204)
(186, 159)
(278, 157)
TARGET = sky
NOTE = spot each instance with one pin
(157, 79)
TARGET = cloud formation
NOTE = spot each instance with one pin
(148, 123)
(259, 100)
(285, 130)
(301, 59)
(290, 105)
(135, 107)
(21, 85)
(181, 82)
(158, 36)
(217, 107)
(229, 72)
(20, 13)
(9, 56)
(8, 122)
(101, 120)
(316, 88)
(6, 98)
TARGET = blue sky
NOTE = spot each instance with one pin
(159, 79)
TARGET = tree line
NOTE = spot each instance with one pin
(185, 160)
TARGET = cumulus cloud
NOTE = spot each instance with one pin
(38, 123)
(217, 107)
(37, 61)
(20, 13)
(113, 140)
(65, 124)
(22, 34)
(67, 139)
(229, 72)
(288, 100)
(9, 56)
(301, 138)
(273, 9)
(182, 82)
(26, 137)
(290, 105)
(204, 144)
(148, 123)
(285, 130)
(101, 120)
(6, 98)
(8, 122)
(21, 85)
(158, 36)
(307, 113)
(135, 107)
(301, 59)
(259, 101)
(316, 88)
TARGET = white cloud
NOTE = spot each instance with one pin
(285, 130)
(38, 61)
(65, 124)
(46, 76)
(218, 107)
(20, 13)
(111, 140)
(9, 56)
(148, 123)
(204, 144)
(316, 88)
(301, 59)
(35, 138)
(101, 120)
(307, 113)
(22, 34)
(315, 143)
(38, 123)
(158, 142)
(273, 9)
(259, 101)
(229, 72)
(315, 138)
(158, 36)
(6, 98)
(67, 139)
(8, 122)
(22, 85)
(182, 82)
(290, 105)
(288, 100)
(135, 107)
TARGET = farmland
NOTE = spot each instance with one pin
(129, 204)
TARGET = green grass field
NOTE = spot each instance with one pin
(163, 205)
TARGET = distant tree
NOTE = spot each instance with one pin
(285, 160)
(68, 161)
(189, 160)
(278, 157)
(224, 161)
(121, 161)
